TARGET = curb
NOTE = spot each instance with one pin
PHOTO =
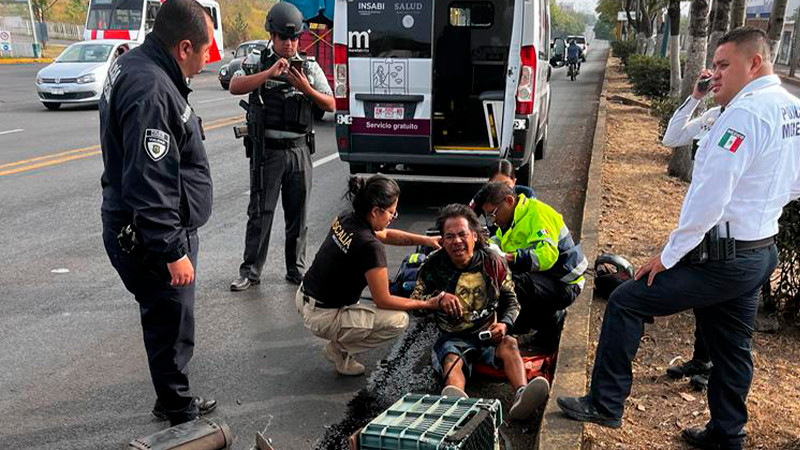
(25, 60)
(571, 379)
(790, 80)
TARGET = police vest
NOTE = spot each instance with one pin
(285, 108)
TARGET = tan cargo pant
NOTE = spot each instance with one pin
(352, 329)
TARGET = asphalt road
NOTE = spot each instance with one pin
(74, 369)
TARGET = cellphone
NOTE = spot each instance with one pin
(704, 84)
(485, 335)
(297, 64)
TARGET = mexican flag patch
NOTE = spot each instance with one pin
(731, 140)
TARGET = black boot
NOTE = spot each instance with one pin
(702, 438)
(689, 368)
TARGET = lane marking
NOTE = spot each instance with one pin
(212, 100)
(17, 130)
(85, 152)
(326, 159)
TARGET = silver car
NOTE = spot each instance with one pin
(78, 74)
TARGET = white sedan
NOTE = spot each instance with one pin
(79, 73)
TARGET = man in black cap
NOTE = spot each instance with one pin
(283, 88)
(157, 193)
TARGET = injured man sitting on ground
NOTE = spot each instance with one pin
(477, 311)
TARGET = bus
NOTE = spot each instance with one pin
(133, 19)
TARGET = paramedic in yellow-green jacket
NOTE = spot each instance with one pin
(547, 266)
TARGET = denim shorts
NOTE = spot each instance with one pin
(470, 348)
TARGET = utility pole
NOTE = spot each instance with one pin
(33, 29)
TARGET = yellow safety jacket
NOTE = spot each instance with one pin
(541, 242)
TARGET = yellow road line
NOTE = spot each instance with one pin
(84, 152)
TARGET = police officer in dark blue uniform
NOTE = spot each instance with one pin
(157, 193)
(283, 88)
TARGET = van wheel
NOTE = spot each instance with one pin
(51, 105)
(525, 174)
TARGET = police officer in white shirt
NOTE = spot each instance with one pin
(746, 169)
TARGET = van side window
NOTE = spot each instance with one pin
(471, 15)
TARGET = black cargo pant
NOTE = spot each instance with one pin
(286, 171)
(724, 296)
(167, 315)
(543, 301)
(700, 352)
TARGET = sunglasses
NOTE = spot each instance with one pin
(288, 37)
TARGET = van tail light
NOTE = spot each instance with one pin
(527, 80)
(340, 87)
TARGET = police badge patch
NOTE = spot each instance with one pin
(156, 142)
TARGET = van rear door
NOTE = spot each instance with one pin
(389, 56)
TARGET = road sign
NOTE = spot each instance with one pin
(5, 47)
(5, 36)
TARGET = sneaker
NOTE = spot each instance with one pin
(243, 284)
(689, 368)
(204, 406)
(582, 410)
(454, 391)
(528, 398)
(345, 364)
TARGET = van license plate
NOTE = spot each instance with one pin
(391, 112)
(57, 91)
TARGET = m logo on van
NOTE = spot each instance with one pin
(358, 40)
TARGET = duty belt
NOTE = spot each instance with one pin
(751, 245)
(286, 143)
(314, 302)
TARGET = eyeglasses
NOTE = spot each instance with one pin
(393, 214)
(491, 218)
(288, 37)
(449, 237)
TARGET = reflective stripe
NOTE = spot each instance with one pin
(563, 233)
(577, 272)
(579, 282)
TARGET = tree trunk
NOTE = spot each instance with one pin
(718, 27)
(775, 27)
(795, 55)
(680, 164)
(674, 12)
(737, 14)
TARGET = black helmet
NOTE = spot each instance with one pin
(610, 272)
(284, 19)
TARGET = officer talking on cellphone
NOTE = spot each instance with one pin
(747, 168)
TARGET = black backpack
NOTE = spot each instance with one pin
(406, 278)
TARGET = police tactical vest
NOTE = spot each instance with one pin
(285, 108)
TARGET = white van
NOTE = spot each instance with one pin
(440, 89)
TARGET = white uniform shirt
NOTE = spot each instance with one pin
(681, 131)
(747, 168)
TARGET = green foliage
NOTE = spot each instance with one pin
(603, 30)
(783, 295)
(649, 75)
(564, 23)
(623, 49)
(663, 108)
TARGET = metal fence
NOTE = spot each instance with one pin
(21, 26)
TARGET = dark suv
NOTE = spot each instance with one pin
(227, 70)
